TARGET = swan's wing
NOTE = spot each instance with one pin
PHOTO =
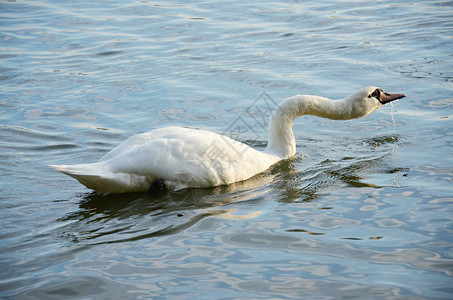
(190, 158)
(141, 139)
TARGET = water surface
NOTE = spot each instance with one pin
(364, 210)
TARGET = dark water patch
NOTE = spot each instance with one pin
(108, 53)
(305, 231)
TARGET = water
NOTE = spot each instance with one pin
(363, 211)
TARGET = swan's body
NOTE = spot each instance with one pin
(185, 157)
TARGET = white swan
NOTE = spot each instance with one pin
(180, 157)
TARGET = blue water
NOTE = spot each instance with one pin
(363, 211)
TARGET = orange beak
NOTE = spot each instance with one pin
(386, 97)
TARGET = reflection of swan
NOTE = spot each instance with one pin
(131, 217)
(185, 157)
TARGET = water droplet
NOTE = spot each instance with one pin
(393, 116)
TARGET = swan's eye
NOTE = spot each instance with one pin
(376, 94)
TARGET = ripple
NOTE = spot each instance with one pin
(362, 211)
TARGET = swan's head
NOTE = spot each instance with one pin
(369, 99)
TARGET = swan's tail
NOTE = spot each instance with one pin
(95, 177)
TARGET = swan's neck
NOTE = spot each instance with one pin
(280, 132)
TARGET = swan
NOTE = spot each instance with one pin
(179, 157)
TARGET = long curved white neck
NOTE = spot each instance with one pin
(280, 133)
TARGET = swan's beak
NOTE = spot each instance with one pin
(386, 97)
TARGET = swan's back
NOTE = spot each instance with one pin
(183, 157)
